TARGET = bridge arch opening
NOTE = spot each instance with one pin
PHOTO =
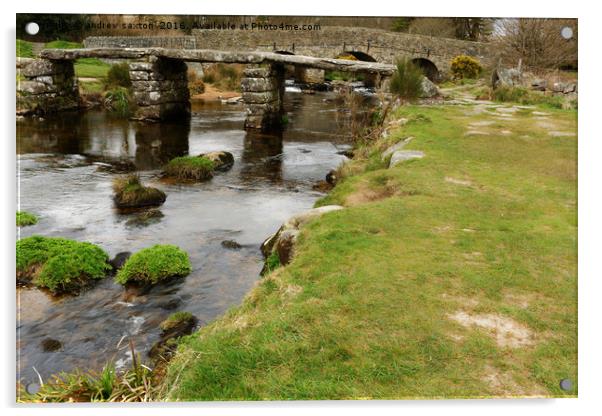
(357, 55)
(429, 69)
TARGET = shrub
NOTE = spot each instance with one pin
(195, 84)
(406, 82)
(130, 193)
(25, 218)
(59, 264)
(118, 100)
(119, 76)
(225, 77)
(154, 264)
(189, 168)
(463, 66)
(176, 319)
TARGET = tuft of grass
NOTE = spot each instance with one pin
(59, 264)
(189, 168)
(118, 101)
(134, 385)
(175, 319)
(406, 82)
(363, 310)
(525, 96)
(225, 77)
(25, 218)
(119, 76)
(129, 193)
(24, 49)
(154, 264)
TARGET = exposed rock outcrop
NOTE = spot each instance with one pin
(222, 161)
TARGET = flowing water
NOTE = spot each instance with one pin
(63, 179)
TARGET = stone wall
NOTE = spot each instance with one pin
(46, 87)
(160, 89)
(329, 42)
(263, 92)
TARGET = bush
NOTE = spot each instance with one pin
(25, 218)
(406, 82)
(525, 96)
(464, 66)
(195, 84)
(130, 193)
(118, 100)
(189, 168)
(59, 264)
(119, 76)
(154, 264)
(225, 77)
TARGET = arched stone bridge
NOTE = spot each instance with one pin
(160, 85)
(433, 54)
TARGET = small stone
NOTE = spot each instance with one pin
(404, 155)
(51, 345)
(231, 244)
(119, 260)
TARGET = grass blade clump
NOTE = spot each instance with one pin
(130, 193)
(154, 264)
(406, 82)
(25, 218)
(189, 168)
(59, 264)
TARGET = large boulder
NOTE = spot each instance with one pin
(403, 155)
(506, 77)
(396, 147)
(429, 89)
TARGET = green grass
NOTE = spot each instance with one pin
(363, 309)
(24, 49)
(525, 96)
(91, 68)
(25, 218)
(154, 264)
(58, 264)
(189, 168)
(63, 44)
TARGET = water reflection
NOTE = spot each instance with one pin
(262, 157)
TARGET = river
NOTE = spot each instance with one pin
(63, 180)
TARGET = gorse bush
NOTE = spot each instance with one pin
(464, 66)
(189, 168)
(154, 264)
(406, 82)
(119, 76)
(59, 264)
(25, 218)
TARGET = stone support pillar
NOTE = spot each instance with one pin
(263, 94)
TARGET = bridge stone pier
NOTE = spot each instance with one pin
(160, 89)
(160, 84)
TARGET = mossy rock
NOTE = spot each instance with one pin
(191, 168)
(130, 193)
(25, 218)
(153, 265)
(222, 161)
(176, 325)
(59, 264)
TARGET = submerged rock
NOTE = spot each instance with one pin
(231, 244)
(51, 345)
(119, 260)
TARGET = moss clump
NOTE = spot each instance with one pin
(154, 264)
(176, 320)
(59, 264)
(130, 193)
(189, 168)
(25, 218)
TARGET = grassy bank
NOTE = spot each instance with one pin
(449, 276)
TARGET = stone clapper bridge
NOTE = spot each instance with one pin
(160, 86)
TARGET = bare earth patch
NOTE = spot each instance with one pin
(455, 181)
(503, 384)
(507, 332)
(365, 195)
